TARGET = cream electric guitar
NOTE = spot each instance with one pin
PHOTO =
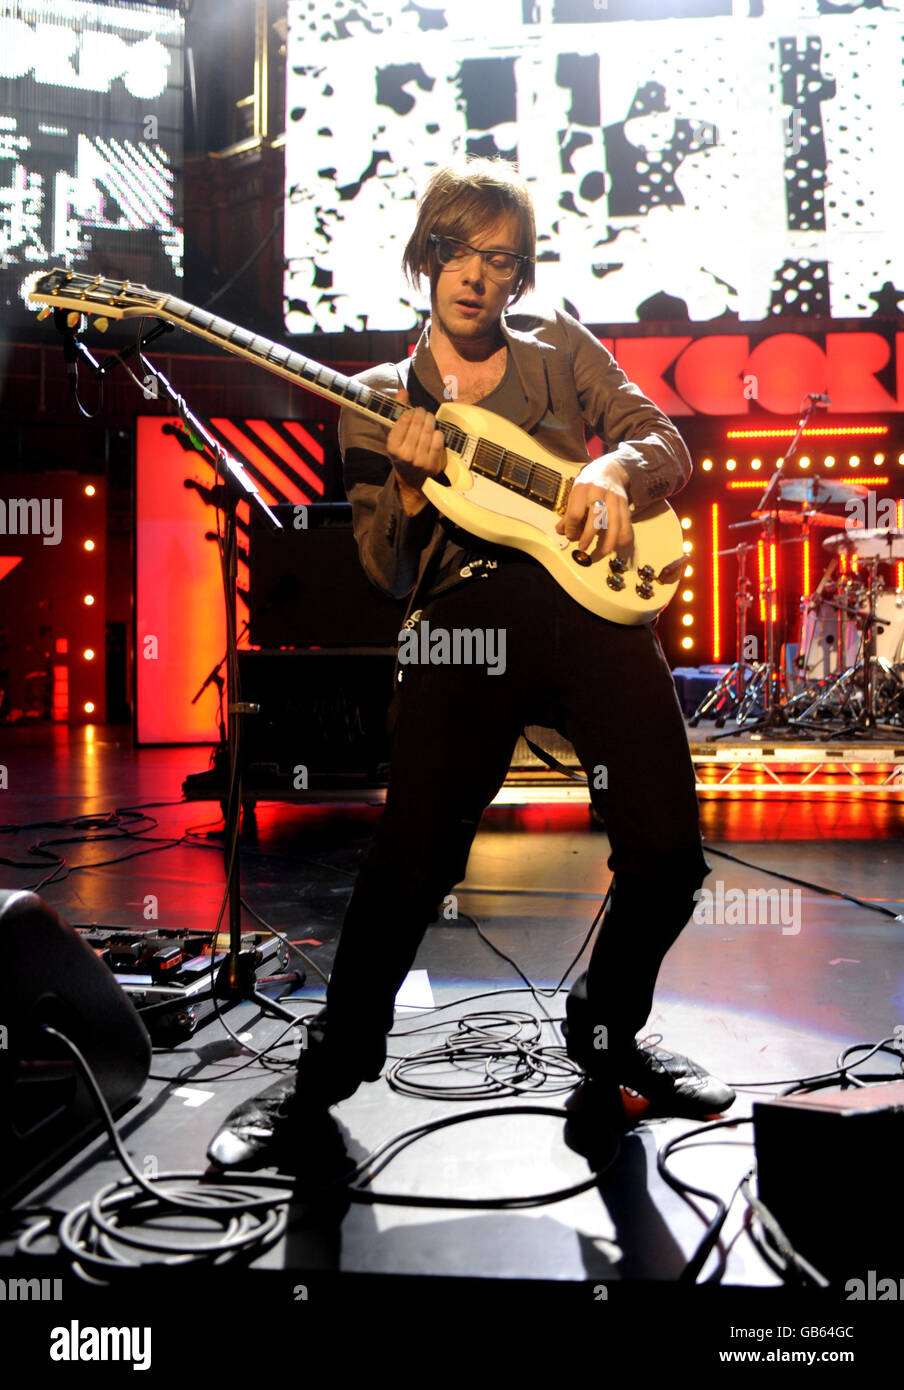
(499, 483)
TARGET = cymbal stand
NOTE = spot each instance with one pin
(726, 697)
(767, 678)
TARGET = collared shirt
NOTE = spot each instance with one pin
(569, 383)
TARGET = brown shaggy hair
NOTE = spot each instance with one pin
(461, 202)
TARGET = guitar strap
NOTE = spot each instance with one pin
(552, 761)
(417, 392)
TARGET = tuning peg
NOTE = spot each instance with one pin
(73, 320)
(45, 312)
(101, 324)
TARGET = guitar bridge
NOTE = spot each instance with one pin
(563, 496)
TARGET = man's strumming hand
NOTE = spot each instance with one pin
(599, 503)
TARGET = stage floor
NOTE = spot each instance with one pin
(758, 1004)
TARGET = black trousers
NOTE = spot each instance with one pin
(605, 687)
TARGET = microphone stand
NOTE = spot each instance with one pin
(237, 977)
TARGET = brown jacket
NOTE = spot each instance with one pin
(570, 381)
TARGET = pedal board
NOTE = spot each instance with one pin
(161, 965)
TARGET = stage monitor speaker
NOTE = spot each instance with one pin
(828, 1168)
(307, 586)
(51, 976)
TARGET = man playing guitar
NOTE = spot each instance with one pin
(603, 685)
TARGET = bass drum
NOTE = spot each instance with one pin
(890, 626)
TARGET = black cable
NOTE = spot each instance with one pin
(536, 990)
(374, 1163)
(510, 1065)
(100, 1234)
(794, 1261)
(495, 1048)
(805, 883)
(95, 1233)
(820, 1080)
(249, 260)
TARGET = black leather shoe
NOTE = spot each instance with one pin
(672, 1083)
(274, 1130)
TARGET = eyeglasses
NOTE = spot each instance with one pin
(498, 265)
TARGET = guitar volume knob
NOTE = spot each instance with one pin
(617, 565)
(615, 582)
(646, 573)
(645, 590)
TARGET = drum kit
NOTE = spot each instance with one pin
(845, 673)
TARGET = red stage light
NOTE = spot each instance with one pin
(806, 566)
(717, 617)
(818, 431)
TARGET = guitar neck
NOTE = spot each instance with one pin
(275, 357)
(519, 474)
(65, 290)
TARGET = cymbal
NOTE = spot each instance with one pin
(820, 490)
(883, 543)
(798, 518)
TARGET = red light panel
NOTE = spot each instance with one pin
(717, 615)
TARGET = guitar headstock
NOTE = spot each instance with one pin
(87, 294)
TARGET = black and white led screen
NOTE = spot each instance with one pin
(695, 159)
